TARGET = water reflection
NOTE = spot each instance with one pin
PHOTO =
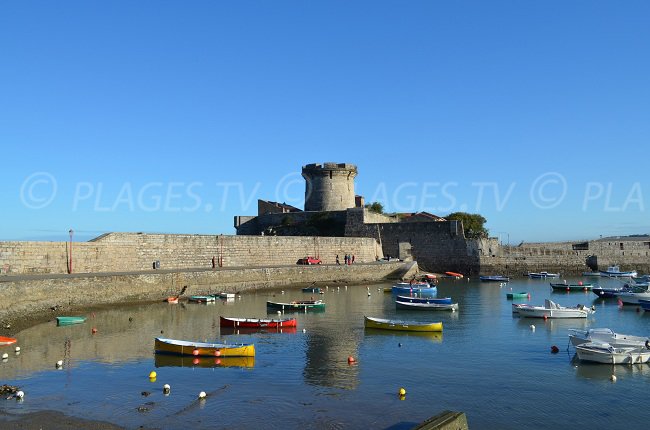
(170, 360)
(399, 336)
(587, 370)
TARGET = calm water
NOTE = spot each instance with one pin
(487, 364)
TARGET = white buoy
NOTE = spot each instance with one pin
(279, 312)
(5, 356)
(282, 291)
(532, 327)
(202, 395)
(17, 349)
(20, 395)
(346, 287)
(612, 378)
(59, 363)
(304, 330)
(166, 389)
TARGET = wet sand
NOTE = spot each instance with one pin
(51, 420)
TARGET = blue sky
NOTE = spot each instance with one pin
(162, 116)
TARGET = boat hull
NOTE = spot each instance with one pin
(257, 322)
(7, 340)
(426, 306)
(385, 324)
(409, 299)
(202, 299)
(605, 335)
(69, 320)
(571, 287)
(512, 296)
(305, 305)
(202, 349)
(541, 312)
(414, 290)
(599, 354)
(495, 278)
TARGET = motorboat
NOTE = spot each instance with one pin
(614, 271)
(607, 354)
(552, 310)
(632, 297)
(415, 306)
(439, 301)
(606, 335)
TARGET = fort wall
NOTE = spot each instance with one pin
(123, 252)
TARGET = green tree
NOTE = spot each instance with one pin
(375, 207)
(474, 224)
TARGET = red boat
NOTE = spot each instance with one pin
(6, 340)
(256, 322)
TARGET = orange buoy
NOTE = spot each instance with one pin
(555, 349)
(351, 360)
(195, 352)
(217, 353)
(545, 317)
(94, 330)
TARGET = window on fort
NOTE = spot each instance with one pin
(621, 245)
(647, 244)
(330, 174)
(581, 246)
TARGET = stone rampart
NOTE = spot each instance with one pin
(121, 252)
(27, 295)
(567, 257)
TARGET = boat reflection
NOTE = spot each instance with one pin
(600, 371)
(255, 330)
(171, 360)
(435, 337)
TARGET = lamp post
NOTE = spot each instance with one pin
(71, 232)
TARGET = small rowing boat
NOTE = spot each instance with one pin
(440, 301)
(417, 306)
(297, 305)
(370, 322)
(494, 278)
(203, 349)
(257, 322)
(202, 299)
(70, 320)
(415, 289)
(542, 275)
(520, 295)
(7, 340)
(172, 299)
(563, 286)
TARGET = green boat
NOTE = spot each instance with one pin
(70, 320)
(521, 295)
(297, 305)
(580, 286)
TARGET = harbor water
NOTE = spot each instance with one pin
(494, 367)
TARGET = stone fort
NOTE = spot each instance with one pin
(333, 209)
(334, 221)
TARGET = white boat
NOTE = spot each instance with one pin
(614, 271)
(633, 297)
(553, 310)
(415, 306)
(608, 354)
(605, 335)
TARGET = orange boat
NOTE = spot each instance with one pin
(6, 340)
(454, 274)
(172, 300)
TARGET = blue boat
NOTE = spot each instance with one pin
(438, 301)
(494, 278)
(415, 289)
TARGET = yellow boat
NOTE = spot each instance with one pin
(385, 324)
(203, 349)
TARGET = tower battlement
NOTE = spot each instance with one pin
(329, 186)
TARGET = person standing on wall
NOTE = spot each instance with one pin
(352, 258)
(338, 263)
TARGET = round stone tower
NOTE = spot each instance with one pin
(330, 186)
